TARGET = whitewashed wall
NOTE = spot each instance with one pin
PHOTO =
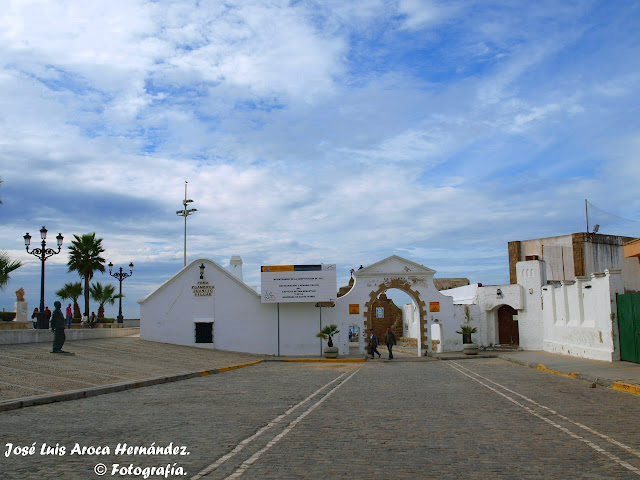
(531, 277)
(478, 307)
(410, 320)
(579, 316)
(241, 321)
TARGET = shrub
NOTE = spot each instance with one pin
(7, 316)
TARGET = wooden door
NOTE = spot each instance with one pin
(508, 333)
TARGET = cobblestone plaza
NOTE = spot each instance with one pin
(407, 419)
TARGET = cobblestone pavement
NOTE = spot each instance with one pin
(30, 369)
(484, 418)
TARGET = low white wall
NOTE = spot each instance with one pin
(8, 337)
(579, 316)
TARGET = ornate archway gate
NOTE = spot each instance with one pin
(393, 272)
(405, 286)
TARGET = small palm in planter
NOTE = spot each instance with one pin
(468, 347)
(327, 333)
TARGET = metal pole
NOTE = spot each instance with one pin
(120, 299)
(41, 316)
(185, 224)
(278, 328)
(320, 329)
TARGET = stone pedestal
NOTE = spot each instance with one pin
(22, 311)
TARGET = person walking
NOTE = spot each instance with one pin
(34, 317)
(373, 344)
(69, 313)
(57, 326)
(92, 320)
(390, 340)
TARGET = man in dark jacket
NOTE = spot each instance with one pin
(390, 340)
(373, 344)
(57, 326)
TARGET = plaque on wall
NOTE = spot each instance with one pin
(202, 289)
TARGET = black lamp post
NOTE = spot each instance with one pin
(42, 253)
(120, 276)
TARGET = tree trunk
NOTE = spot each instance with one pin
(76, 309)
(101, 311)
(86, 295)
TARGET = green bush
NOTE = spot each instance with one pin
(106, 320)
(7, 316)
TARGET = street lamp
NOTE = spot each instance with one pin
(120, 276)
(185, 213)
(42, 253)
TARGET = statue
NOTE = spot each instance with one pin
(57, 326)
(20, 295)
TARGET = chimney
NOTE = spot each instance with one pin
(235, 266)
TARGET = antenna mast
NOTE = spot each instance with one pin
(586, 211)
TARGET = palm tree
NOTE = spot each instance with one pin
(6, 267)
(327, 333)
(72, 291)
(84, 258)
(103, 295)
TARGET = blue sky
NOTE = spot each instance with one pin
(311, 132)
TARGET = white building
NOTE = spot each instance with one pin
(208, 306)
(220, 311)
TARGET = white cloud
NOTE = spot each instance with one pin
(425, 13)
(309, 132)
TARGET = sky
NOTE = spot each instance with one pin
(312, 132)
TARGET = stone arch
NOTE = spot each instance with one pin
(405, 286)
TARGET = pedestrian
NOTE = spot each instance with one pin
(69, 316)
(34, 317)
(390, 340)
(57, 326)
(47, 316)
(373, 344)
(92, 320)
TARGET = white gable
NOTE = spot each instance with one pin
(395, 265)
(207, 263)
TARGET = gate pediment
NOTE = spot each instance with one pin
(395, 265)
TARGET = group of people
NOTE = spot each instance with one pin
(389, 339)
(36, 313)
(68, 317)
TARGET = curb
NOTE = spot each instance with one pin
(626, 387)
(113, 388)
(147, 382)
(463, 357)
(315, 360)
(621, 386)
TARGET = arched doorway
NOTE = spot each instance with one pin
(508, 333)
(378, 318)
